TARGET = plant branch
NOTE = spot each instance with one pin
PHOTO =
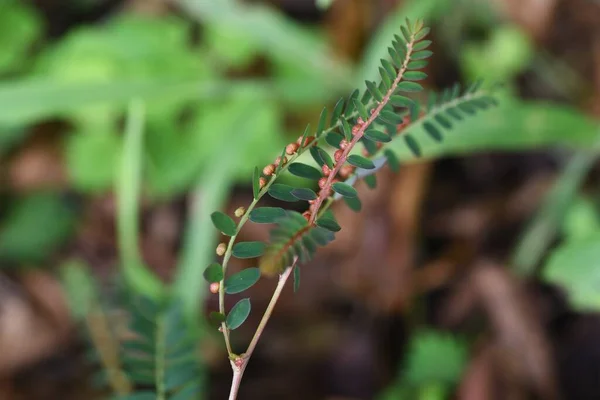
(244, 219)
(326, 190)
(239, 364)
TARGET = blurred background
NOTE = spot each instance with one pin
(472, 274)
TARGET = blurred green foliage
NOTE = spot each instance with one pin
(434, 364)
(205, 128)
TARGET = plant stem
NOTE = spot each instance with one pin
(239, 365)
(238, 372)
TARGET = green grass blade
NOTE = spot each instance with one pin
(141, 279)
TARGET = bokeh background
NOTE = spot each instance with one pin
(472, 274)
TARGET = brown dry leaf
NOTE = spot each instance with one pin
(34, 320)
(521, 349)
(38, 165)
(477, 383)
(535, 16)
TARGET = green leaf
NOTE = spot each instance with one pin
(421, 55)
(304, 194)
(413, 145)
(396, 59)
(128, 188)
(433, 131)
(337, 111)
(373, 90)
(554, 126)
(296, 278)
(385, 79)
(371, 181)
(266, 215)
(401, 101)
(350, 103)
(322, 122)
(241, 281)
(256, 182)
(35, 227)
(454, 113)
(575, 267)
(328, 223)
(282, 192)
(390, 117)
(224, 223)
(406, 86)
(347, 130)
(213, 273)
(354, 203)
(238, 314)
(392, 160)
(321, 157)
(360, 162)
(389, 68)
(419, 64)
(334, 139)
(344, 189)
(305, 171)
(434, 357)
(216, 318)
(362, 110)
(377, 136)
(414, 75)
(422, 45)
(248, 249)
(422, 33)
(443, 121)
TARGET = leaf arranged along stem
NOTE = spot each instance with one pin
(382, 112)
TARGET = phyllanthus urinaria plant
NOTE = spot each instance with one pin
(382, 113)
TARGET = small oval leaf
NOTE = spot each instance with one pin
(238, 314)
(224, 223)
(377, 136)
(305, 171)
(360, 162)
(406, 86)
(241, 281)
(213, 273)
(392, 160)
(413, 145)
(433, 131)
(371, 181)
(282, 192)
(344, 189)
(266, 215)
(328, 223)
(304, 194)
(354, 203)
(401, 101)
(421, 55)
(216, 318)
(248, 249)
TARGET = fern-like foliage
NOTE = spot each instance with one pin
(293, 238)
(162, 360)
(351, 141)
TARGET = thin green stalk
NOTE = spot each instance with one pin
(543, 228)
(141, 279)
